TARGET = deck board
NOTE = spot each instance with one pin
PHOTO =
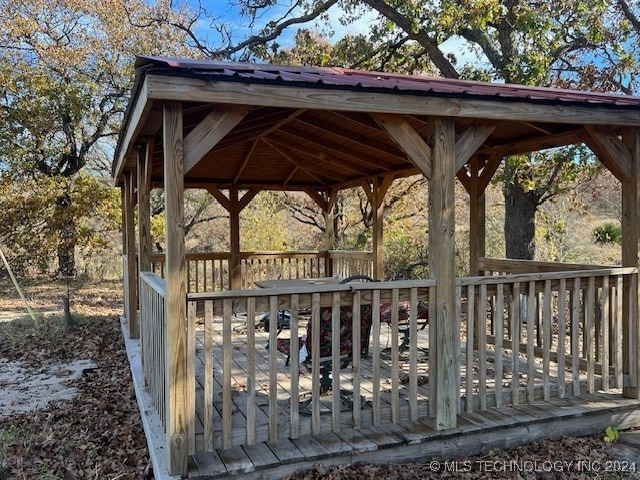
(285, 450)
(236, 460)
(209, 464)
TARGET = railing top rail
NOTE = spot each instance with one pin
(487, 263)
(155, 282)
(302, 290)
(281, 254)
(535, 277)
(350, 253)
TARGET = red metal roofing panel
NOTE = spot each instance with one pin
(339, 77)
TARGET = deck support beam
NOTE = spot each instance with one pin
(442, 268)
(177, 381)
(630, 251)
(131, 291)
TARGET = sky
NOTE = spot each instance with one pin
(229, 11)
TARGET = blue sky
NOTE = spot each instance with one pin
(228, 11)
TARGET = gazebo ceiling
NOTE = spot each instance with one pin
(300, 128)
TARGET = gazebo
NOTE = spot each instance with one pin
(513, 344)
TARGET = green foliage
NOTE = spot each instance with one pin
(611, 434)
(31, 219)
(401, 249)
(65, 68)
(264, 225)
(608, 233)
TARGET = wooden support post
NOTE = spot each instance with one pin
(131, 293)
(177, 380)
(442, 268)
(630, 250)
(377, 206)
(477, 216)
(375, 191)
(144, 207)
(235, 268)
(330, 236)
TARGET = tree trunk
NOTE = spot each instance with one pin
(519, 218)
(67, 239)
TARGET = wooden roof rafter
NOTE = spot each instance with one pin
(324, 157)
(339, 151)
(323, 120)
(318, 176)
(353, 138)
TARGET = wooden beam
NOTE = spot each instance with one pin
(210, 131)
(235, 267)
(538, 143)
(464, 179)
(247, 197)
(469, 142)
(489, 170)
(324, 152)
(281, 151)
(322, 160)
(219, 196)
(333, 196)
(368, 189)
(241, 93)
(630, 254)
(145, 156)
(139, 113)
(611, 151)
(131, 297)
(330, 147)
(377, 205)
(477, 218)
(442, 268)
(177, 370)
(318, 199)
(246, 159)
(353, 138)
(383, 186)
(409, 141)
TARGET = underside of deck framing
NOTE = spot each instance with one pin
(490, 428)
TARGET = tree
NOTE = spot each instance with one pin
(66, 67)
(584, 44)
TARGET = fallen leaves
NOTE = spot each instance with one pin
(95, 435)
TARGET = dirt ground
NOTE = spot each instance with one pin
(97, 433)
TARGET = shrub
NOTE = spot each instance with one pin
(608, 233)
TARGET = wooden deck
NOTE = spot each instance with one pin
(405, 441)
(477, 432)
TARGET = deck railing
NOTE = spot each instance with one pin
(209, 272)
(542, 335)
(153, 325)
(524, 337)
(246, 395)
